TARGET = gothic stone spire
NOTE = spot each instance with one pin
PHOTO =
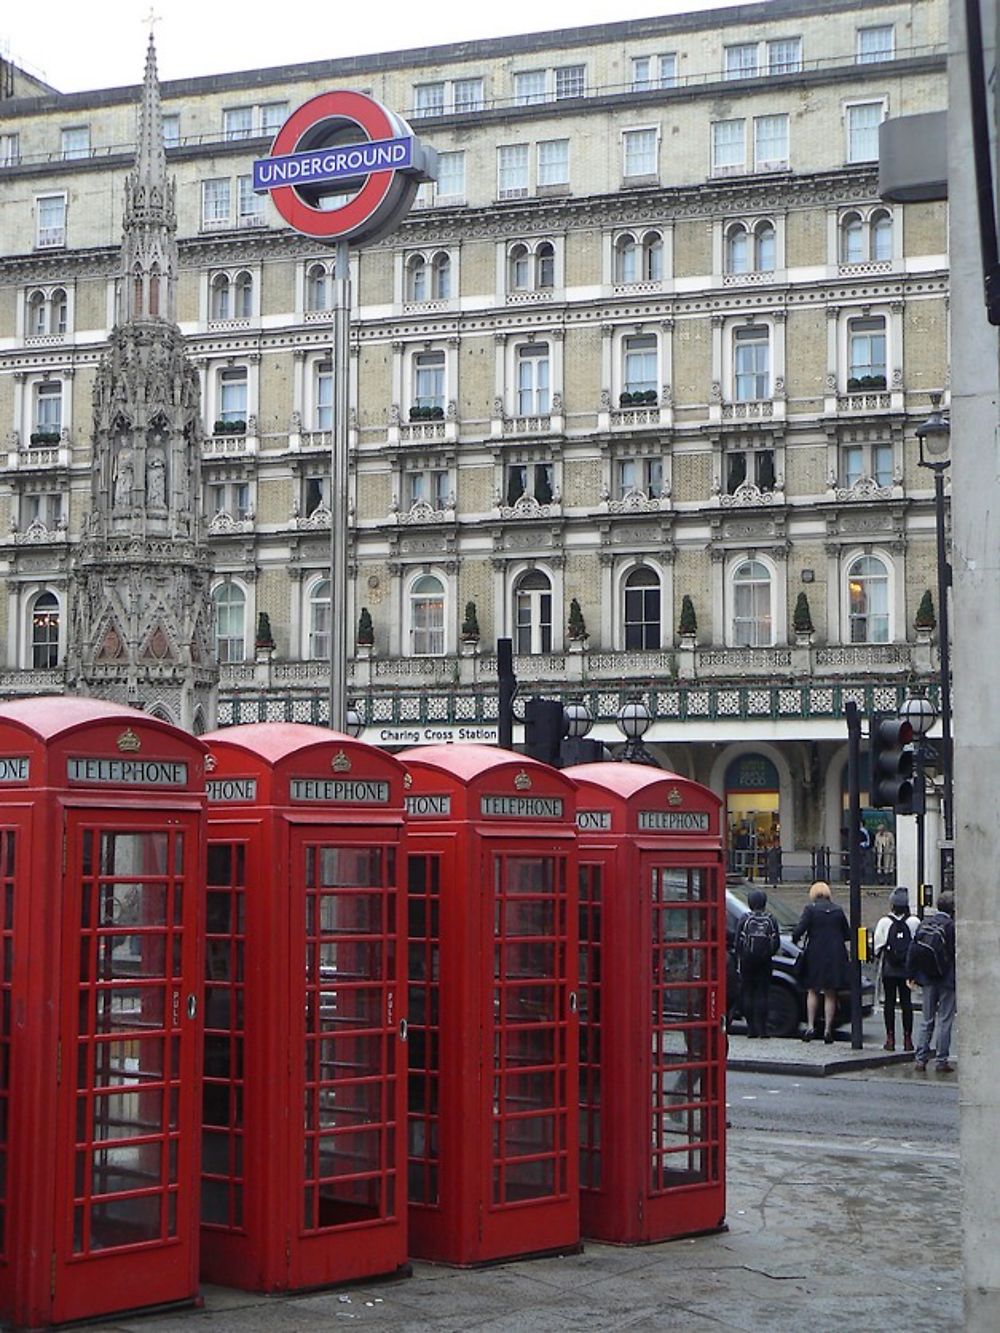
(149, 246)
(141, 610)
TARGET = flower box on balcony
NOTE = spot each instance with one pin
(229, 428)
(427, 414)
(865, 383)
(49, 437)
(640, 398)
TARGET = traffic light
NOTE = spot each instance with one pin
(544, 728)
(891, 783)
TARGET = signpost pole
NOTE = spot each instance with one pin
(341, 367)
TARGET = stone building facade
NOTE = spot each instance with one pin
(651, 335)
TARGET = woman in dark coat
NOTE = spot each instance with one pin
(825, 930)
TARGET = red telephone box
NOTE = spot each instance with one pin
(101, 852)
(652, 985)
(491, 852)
(305, 1101)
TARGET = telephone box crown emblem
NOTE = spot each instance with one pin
(340, 763)
(128, 742)
(407, 780)
(674, 797)
(211, 763)
(522, 782)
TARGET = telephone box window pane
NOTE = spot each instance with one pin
(125, 1222)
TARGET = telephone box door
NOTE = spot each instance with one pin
(686, 1055)
(350, 1137)
(534, 1143)
(130, 1041)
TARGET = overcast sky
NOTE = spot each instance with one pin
(78, 46)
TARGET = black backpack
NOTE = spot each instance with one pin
(897, 944)
(757, 938)
(930, 949)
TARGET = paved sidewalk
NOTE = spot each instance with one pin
(815, 1059)
(822, 1236)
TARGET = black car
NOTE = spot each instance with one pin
(787, 1004)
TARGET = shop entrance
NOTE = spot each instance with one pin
(753, 818)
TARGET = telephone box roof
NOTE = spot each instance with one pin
(274, 741)
(49, 716)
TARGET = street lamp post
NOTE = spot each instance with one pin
(920, 714)
(353, 721)
(934, 438)
(633, 722)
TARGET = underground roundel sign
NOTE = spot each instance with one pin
(343, 167)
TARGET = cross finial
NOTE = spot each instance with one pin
(151, 19)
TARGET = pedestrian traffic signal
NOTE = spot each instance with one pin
(891, 785)
(544, 728)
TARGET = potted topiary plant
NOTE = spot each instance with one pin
(687, 628)
(925, 621)
(470, 625)
(365, 636)
(577, 627)
(802, 621)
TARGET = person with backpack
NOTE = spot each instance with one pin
(893, 935)
(758, 939)
(930, 964)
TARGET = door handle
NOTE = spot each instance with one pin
(192, 1005)
(403, 1029)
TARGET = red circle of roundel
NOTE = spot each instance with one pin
(373, 120)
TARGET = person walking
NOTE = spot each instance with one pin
(824, 928)
(758, 939)
(893, 936)
(930, 964)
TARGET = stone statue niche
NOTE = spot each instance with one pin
(122, 467)
(156, 467)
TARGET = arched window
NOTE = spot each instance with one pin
(652, 257)
(533, 613)
(765, 248)
(45, 631)
(427, 616)
(626, 259)
(220, 297)
(868, 600)
(154, 290)
(881, 235)
(416, 278)
(519, 268)
(752, 605)
(642, 609)
(243, 287)
(545, 266)
(230, 622)
(317, 290)
(36, 314)
(319, 621)
(852, 239)
(137, 301)
(737, 249)
(441, 277)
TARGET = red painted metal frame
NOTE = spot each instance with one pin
(103, 1077)
(652, 1090)
(493, 1059)
(316, 1069)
